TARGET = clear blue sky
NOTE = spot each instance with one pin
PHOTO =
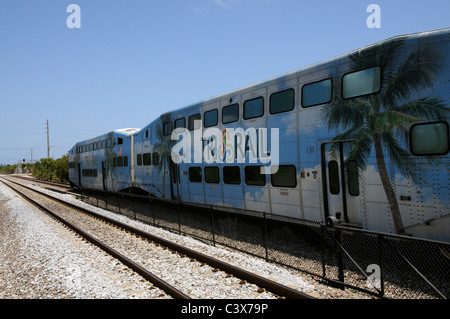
(132, 60)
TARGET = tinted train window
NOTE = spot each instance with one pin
(139, 159)
(125, 161)
(429, 138)
(120, 161)
(195, 174)
(333, 175)
(231, 175)
(180, 123)
(167, 128)
(253, 176)
(212, 174)
(316, 93)
(282, 101)
(353, 180)
(119, 140)
(362, 82)
(210, 118)
(155, 158)
(193, 122)
(230, 113)
(253, 108)
(147, 159)
(286, 176)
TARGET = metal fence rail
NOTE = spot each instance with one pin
(376, 263)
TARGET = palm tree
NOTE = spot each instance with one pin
(164, 149)
(383, 120)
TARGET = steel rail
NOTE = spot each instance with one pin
(261, 281)
(177, 294)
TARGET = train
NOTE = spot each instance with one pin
(360, 140)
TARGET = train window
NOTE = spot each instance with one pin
(103, 143)
(114, 162)
(125, 161)
(253, 108)
(253, 176)
(167, 128)
(428, 139)
(180, 123)
(333, 175)
(139, 160)
(147, 159)
(108, 142)
(231, 175)
(212, 174)
(146, 134)
(194, 122)
(353, 180)
(230, 113)
(155, 158)
(282, 101)
(119, 140)
(361, 83)
(316, 93)
(286, 176)
(195, 174)
(119, 161)
(210, 118)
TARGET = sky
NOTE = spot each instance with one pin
(132, 60)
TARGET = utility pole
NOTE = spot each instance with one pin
(48, 142)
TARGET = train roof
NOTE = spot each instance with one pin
(123, 131)
(304, 69)
(127, 131)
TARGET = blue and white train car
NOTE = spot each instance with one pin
(361, 139)
(103, 162)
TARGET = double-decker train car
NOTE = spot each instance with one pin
(361, 139)
(103, 162)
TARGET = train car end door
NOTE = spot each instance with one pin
(341, 183)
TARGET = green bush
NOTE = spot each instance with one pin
(52, 170)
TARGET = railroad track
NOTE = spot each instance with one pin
(142, 251)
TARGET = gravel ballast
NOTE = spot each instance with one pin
(40, 258)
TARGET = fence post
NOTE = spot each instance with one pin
(338, 238)
(380, 263)
(212, 226)
(178, 217)
(118, 203)
(151, 210)
(322, 243)
(265, 236)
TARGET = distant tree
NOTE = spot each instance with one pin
(52, 170)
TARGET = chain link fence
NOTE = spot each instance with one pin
(380, 264)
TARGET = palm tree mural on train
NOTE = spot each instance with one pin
(164, 148)
(383, 120)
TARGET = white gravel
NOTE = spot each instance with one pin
(34, 263)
